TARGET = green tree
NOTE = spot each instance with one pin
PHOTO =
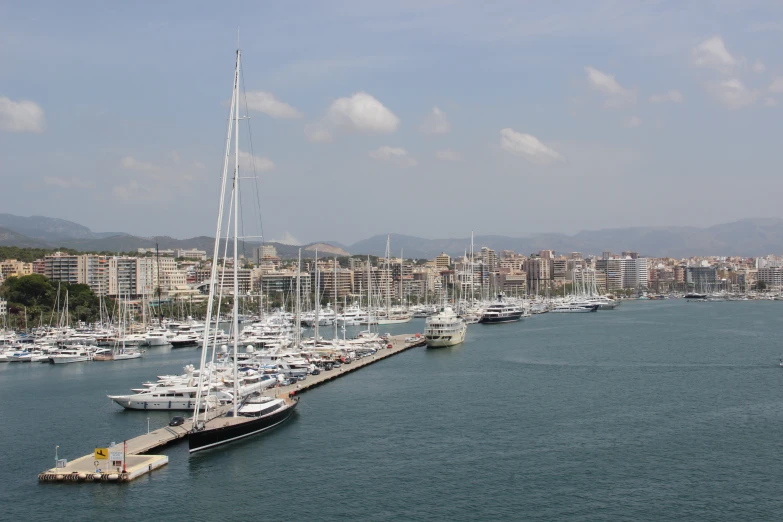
(29, 290)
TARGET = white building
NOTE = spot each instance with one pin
(3, 307)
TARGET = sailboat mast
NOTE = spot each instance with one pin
(298, 308)
(317, 300)
(216, 249)
(236, 241)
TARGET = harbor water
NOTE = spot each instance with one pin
(658, 410)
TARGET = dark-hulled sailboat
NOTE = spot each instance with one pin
(255, 413)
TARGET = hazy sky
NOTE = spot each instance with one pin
(430, 118)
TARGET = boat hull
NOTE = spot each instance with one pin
(511, 318)
(70, 359)
(445, 340)
(162, 404)
(210, 438)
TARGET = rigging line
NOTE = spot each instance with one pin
(253, 162)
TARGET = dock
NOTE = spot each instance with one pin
(136, 460)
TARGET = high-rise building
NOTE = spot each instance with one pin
(63, 267)
(490, 259)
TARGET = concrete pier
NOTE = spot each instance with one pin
(137, 463)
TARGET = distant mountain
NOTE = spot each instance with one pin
(46, 228)
(11, 238)
(747, 237)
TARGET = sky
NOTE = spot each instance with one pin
(431, 118)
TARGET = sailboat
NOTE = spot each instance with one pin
(254, 413)
(392, 315)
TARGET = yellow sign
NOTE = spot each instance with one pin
(101, 453)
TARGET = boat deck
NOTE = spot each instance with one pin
(138, 463)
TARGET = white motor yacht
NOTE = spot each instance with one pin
(445, 328)
(70, 354)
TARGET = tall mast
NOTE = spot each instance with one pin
(236, 240)
(157, 262)
(297, 320)
(317, 300)
(216, 249)
(388, 276)
(334, 287)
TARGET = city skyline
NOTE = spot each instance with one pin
(506, 119)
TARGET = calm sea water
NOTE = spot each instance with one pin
(655, 411)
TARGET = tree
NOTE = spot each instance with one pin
(761, 285)
(29, 290)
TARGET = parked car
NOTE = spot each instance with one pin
(177, 421)
(316, 372)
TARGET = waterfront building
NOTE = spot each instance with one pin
(191, 254)
(442, 261)
(39, 267)
(225, 280)
(63, 267)
(283, 282)
(94, 272)
(701, 277)
(490, 259)
(3, 307)
(14, 268)
(771, 276)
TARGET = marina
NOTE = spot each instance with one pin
(622, 390)
(84, 468)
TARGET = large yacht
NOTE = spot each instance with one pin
(444, 329)
(574, 308)
(501, 312)
(70, 354)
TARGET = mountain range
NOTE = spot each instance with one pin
(746, 237)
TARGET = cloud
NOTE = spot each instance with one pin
(395, 155)
(776, 86)
(435, 123)
(21, 116)
(616, 95)
(251, 163)
(712, 53)
(317, 133)
(528, 146)
(759, 67)
(131, 163)
(448, 155)
(732, 93)
(362, 113)
(633, 122)
(262, 101)
(672, 96)
(287, 239)
(770, 102)
(154, 182)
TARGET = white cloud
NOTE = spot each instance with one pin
(672, 96)
(362, 113)
(732, 93)
(759, 67)
(154, 182)
(395, 155)
(21, 116)
(262, 101)
(712, 53)
(287, 239)
(435, 123)
(616, 94)
(317, 133)
(131, 163)
(448, 155)
(250, 163)
(776, 86)
(633, 122)
(528, 146)
(770, 102)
